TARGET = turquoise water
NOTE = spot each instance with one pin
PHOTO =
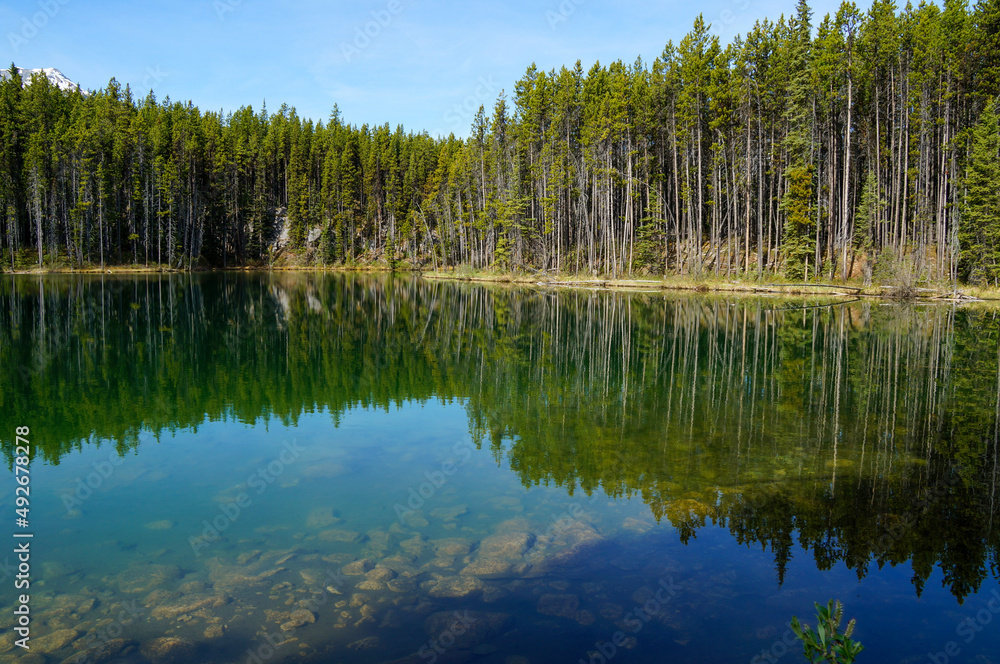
(239, 468)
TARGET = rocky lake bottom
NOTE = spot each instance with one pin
(390, 594)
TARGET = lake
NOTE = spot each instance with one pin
(299, 467)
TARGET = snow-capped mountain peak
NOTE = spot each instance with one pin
(56, 77)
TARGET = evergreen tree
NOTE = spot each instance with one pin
(979, 233)
(797, 202)
(12, 153)
(987, 47)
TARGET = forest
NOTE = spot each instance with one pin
(859, 146)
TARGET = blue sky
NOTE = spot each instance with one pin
(425, 64)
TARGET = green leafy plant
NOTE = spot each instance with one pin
(826, 643)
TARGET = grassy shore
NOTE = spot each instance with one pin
(769, 283)
(157, 269)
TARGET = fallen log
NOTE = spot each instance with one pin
(843, 286)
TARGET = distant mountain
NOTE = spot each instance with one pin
(56, 77)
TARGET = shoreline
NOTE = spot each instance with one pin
(681, 283)
(719, 285)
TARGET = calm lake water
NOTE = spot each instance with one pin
(332, 468)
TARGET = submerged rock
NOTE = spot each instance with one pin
(298, 619)
(192, 587)
(449, 513)
(65, 604)
(577, 534)
(398, 562)
(571, 545)
(28, 658)
(55, 640)
(455, 587)
(359, 567)
(414, 546)
(230, 576)
(404, 571)
(451, 547)
(379, 538)
(214, 631)
(188, 604)
(283, 556)
(145, 578)
(338, 558)
(313, 577)
(159, 597)
(514, 525)
(440, 562)
(338, 535)
(322, 517)
(488, 568)
(415, 519)
(248, 557)
(397, 528)
(402, 585)
(505, 545)
(168, 650)
(229, 495)
(51, 570)
(380, 574)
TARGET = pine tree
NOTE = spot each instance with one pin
(12, 154)
(987, 47)
(867, 216)
(979, 234)
(797, 203)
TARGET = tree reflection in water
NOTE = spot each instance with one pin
(863, 433)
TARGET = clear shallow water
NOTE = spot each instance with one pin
(546, 462)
